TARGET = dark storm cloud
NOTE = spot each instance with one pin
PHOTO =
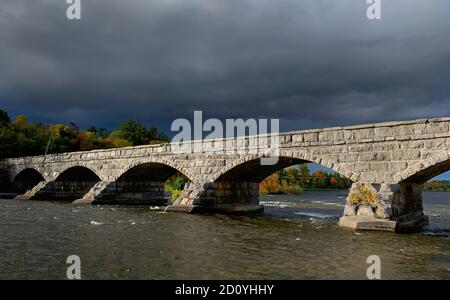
(311, 63)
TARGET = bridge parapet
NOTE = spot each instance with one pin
(401, 131)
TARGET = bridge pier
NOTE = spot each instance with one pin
(57, 190)
(102, 192)
(227, 196)
(390, 207)
(29, 194)
(125, 192)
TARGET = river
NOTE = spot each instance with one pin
(296, 238)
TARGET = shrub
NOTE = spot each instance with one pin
(291, 189)
(363, 195)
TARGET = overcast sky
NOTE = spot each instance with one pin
(311, 63)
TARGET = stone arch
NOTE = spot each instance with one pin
(71, 184)
(78, 173)
(28, 171)
(27, 179)
(41, 169)
(236, 187)
(80, 165)
(297, 158)
(150, 162)
(424, 170)
(140, 181)
(406, 200)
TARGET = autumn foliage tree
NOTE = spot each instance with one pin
(271, 185)
(19, 137)
(293, 180)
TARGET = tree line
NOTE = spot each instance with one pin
(19, 137)
(437, 186)
(294, 180)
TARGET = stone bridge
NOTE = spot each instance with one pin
(387, 163)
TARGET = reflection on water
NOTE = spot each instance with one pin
(296, 238)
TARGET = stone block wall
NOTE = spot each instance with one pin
(131, 192)
(231, 192)
(63, 190)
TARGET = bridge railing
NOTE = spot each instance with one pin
(335, 136)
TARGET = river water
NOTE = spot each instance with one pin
(296, 238)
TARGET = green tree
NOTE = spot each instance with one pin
(304, 175)
(304, 170)
(64, 138)
(8, 137)
(153, 135)
(4, 118)
(175, 185)
(22, 138)
(103, 133)
(92, 129)
(86, 140)
(132, 132)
